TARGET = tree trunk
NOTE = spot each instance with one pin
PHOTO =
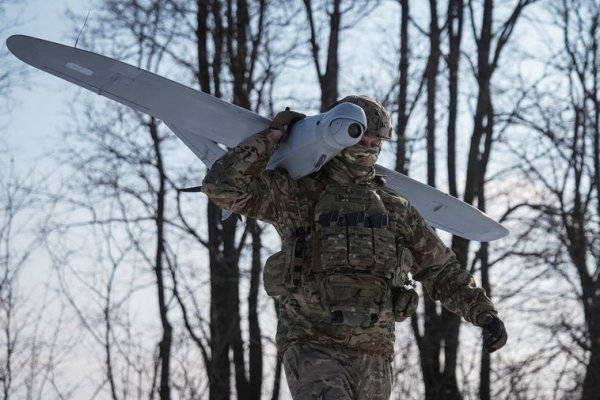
(485, 365)
(231, 38)
(277, 380)
(203, 72)
(431, 72)
(166, 340)
(591, 381)
(255, 365)
(440, 330)
(455, 26)
(328, 81)
(403, 90)
(219, 374)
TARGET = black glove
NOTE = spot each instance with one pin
(283, 121)
(494, 333)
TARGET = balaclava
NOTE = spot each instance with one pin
(356, 164)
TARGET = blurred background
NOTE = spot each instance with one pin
(116, 285)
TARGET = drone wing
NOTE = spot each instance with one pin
(201, 121)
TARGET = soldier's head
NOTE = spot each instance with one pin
(379, 123)
(357, 162)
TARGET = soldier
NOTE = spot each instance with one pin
(349, 248)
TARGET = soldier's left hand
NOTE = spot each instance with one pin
(494, 332)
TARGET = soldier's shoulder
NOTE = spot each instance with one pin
(389, 195)
(311, 186)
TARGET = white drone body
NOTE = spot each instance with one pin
(317, 139)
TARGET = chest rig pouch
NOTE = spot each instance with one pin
(283, 270)
(357, 254)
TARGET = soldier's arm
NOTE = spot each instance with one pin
(239, 182)
(437, 268)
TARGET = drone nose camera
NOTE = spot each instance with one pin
(355, 130)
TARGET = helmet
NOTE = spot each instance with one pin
(379, 122)
(357, 163)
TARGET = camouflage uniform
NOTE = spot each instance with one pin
(341, 276)
(315, 371)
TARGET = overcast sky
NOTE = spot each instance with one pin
(40, 110)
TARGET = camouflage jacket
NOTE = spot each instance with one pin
(239, 182)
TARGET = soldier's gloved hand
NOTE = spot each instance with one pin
(283, 121)
(494, 332)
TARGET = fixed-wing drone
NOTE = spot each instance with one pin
(202, 121)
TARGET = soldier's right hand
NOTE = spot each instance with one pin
(283, 121)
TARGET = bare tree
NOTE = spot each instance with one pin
(565, 165)
(12, 75)
(489, 49)
(402, 100)
(240, 38)
(454, 27)
(134, 200)
(15, 199)
(232, 59)
(410, 85)
(331, 16)
(328, 80)
(440, 331)
(119, 207)
(438, 337)
(27, 361)
(31, 321)
(490, 44)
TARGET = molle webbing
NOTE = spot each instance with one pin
(357, 218)
(352, 232)
(299, 256)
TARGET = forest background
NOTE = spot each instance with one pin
(114, 284)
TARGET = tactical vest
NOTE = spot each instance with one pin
(348, 260)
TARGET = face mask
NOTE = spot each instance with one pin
(361, 155)
(356, 164)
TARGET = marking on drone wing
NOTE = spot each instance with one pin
(79, 68)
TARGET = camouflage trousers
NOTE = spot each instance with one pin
(319, 372)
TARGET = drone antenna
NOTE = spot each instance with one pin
(84, 23)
